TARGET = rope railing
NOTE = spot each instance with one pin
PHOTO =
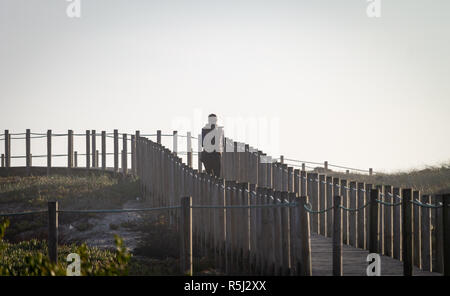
(110, 135)
(17, 134)
(390, 204)
(276, 205)
(64, 155)
(354, 209)
(348, 168)
(424, 205)
(112, 211)
(350, 188)
(309, 209)
(299, 166)
(100, 211)
(22, 213)
(38, 135)
(338, 186)
(303, 161)
(322, 164)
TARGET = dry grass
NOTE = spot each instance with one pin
(89, 191)
(431, 180)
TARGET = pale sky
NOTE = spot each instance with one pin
(312, 80)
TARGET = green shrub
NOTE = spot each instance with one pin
(113, 226)
(84, 226)
(29, 258)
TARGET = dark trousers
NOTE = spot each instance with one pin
(211, 161)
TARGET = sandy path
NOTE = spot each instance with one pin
(101, 235)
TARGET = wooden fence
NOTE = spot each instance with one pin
(244, 165)
(246, 229)
(95, 155)
(276, 240)
(269, 232)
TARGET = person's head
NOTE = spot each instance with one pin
(212, 119)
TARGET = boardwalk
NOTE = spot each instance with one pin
(354, 260)
(280, 198)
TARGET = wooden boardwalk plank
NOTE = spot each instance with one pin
(354, 260)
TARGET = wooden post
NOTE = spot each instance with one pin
(290, 182)
(125, 154)
(96, 158)
(408, 251)
(186, 236)
(28, 150)
(381, 207)
(94, 149)
(221, 214)
(247, 164)
(199, 158)
(322, 206)
(305, 267)
(252, 268)
(228, 228)
(133, 154)
(234, 229)
(397, 226)
(138, 153)
(303, 167)
(3, 160)
(236, 156)
(7, 149)
(116, 151)
(284, 177)
(438, 242)
(370, 171)
(352, 220)
(246, 225)
(296, 182)
(373, 221)
(293, 222)
(368, 189)
(329, 203)
(175, 142)
(388, 221)
(281, 159)
(189, 149)
(103, 150)
(49, 151)
(285, 238)
(76, 159)
(426, 235)
(344, 201)
(303, 183)
(260, 168)
(446, 232)
(337, 237)
(269, 174)
(314, 200)
(261, 225)
(417, 235)
(70, 148)
(361, 216)
(88, 149)
(53, 231)
(158, 137)
(325, 166)
(122, 158)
